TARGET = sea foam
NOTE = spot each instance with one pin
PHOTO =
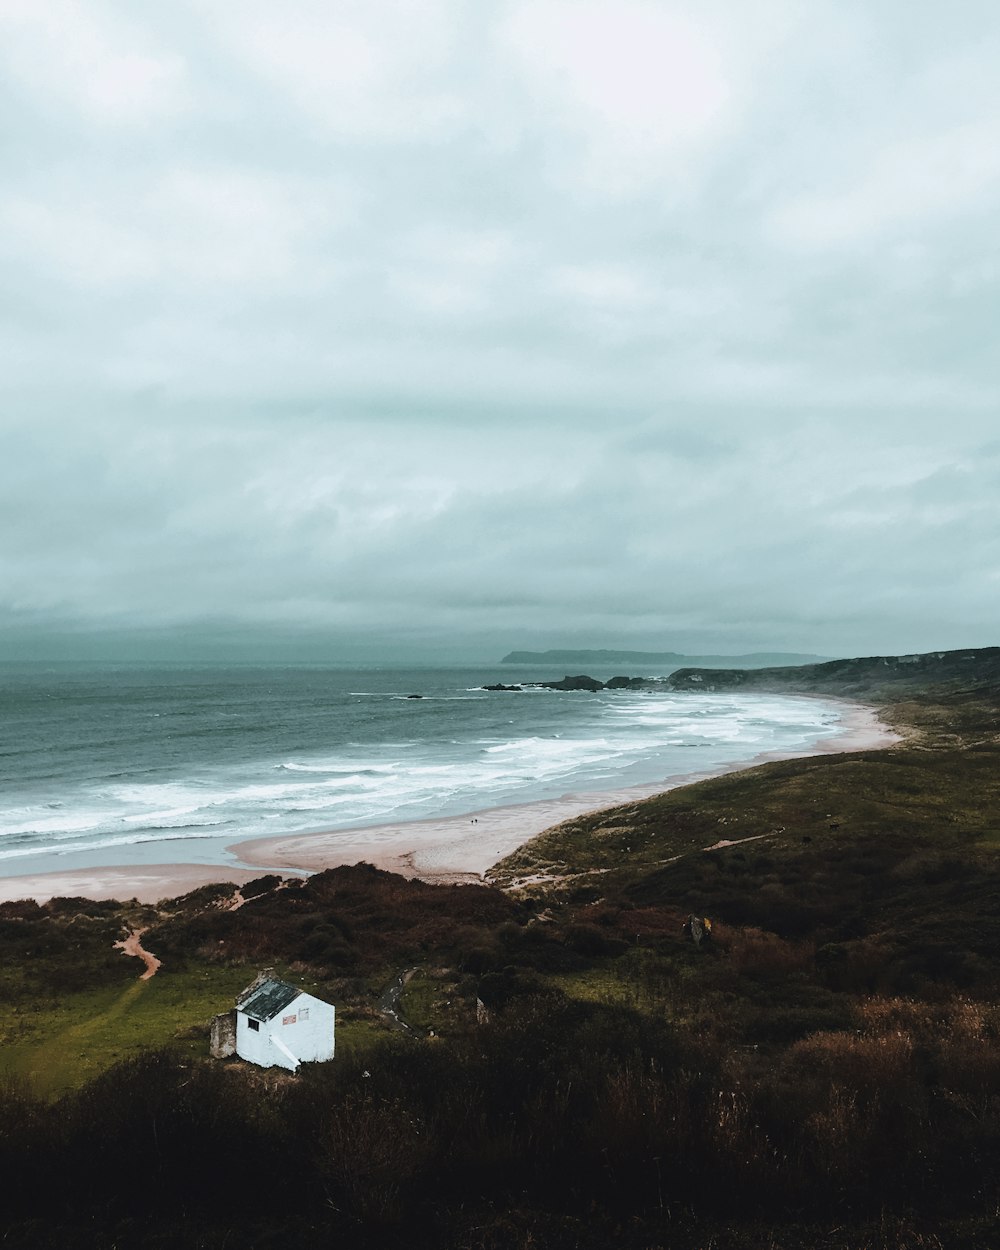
(139, 758)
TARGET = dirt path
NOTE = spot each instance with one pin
(131, 945)
(388, 1002)
(724, 842)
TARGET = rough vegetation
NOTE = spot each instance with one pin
(823, 1071)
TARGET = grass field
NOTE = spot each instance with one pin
(59, 1044)
(62, 1044)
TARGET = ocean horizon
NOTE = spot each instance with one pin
(119, 764)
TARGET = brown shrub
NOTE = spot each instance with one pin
(755, 952)
(865, 1063)
(854, 967)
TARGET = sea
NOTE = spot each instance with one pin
(125, 764)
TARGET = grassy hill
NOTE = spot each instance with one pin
(880, 677)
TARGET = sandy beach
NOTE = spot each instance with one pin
(450, 849)
(463, 848)
(147, 883)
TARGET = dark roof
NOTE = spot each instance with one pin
(263, 1000)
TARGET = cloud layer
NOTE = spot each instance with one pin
(388, 323)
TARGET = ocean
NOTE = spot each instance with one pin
(122, 764)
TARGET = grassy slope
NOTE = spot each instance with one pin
(883, 862)
(62, 1043)
(58, 1044)
(938, 791)
(73, 1006)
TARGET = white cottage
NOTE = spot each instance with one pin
(276, 1025)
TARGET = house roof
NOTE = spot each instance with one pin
(264, 999)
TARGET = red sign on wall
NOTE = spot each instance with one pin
(288, 1019)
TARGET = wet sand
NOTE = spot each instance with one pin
(450, 849)
(462, 848)
(148, 883)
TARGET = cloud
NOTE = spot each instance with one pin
(637, 76)
(333, 524)
(67, 57)
(355, 71)
(665, 322)
(907, 186)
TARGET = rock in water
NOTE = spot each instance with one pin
(574, 683)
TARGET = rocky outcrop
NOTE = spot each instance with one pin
(581, 682)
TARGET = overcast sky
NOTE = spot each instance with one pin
(471, 326)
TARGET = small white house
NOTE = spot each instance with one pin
(276, 1025)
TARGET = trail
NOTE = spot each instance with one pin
(131, 945)
(388, 1002)
(724, 842)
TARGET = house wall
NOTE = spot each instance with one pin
(311, 1039)
(256, 1047)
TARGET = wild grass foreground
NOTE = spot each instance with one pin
(823, 1072)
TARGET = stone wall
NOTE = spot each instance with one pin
(222, 1039)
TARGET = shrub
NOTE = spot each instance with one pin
(589, 939)
(757, 953)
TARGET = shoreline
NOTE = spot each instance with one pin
(456, 849)
(447, 850)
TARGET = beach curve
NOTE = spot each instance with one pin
(447, 850)
(463, 848)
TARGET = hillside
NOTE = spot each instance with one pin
(946, 704)
(823, 1071)
(879, 677)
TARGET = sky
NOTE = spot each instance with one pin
(338, 330)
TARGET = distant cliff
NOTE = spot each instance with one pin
(660, 659)
(879, 676)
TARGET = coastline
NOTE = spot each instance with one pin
(453, 849)
(463, 848)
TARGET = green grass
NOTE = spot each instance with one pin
(357, 1037)
(60, 1045)
(947, 799)
(635, 979)
(417, 1002)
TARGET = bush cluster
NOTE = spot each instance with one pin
(552, 1110)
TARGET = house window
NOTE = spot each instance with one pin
(303, 1013)
(252, 1024)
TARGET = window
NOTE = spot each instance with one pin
(252, 1024)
